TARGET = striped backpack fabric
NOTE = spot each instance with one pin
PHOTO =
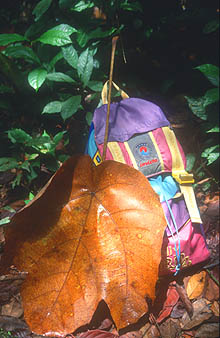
(141, 136)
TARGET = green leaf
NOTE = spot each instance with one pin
(211, 96)
(85, 66)
(100, 33)
(31, 157)
(41, 8)
(4, 221)
(7, 163)
(34, 30)
(197, 105)
(37, 77)
(82, 38)
(6, 39)
(52, 107)
(65, 4)
(211, 72)
(62, 157)
(30, 197)
(19, 136)
(39, 142)
(190, 160)
(211, 154)
(71, 56)
(70, 106)
(25, 165)
(60, 77)
(211, 26)
(82, 5)
(134, 7)
(58, 137)
(55, 59)
(23, 52)
(214, 130)
(57, 36)
(96, 86)
(149, 32)
(89, 117)
(16, 181)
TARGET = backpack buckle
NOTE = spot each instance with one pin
(182, 177)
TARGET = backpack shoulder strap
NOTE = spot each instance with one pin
(105, 92)
(182, 176)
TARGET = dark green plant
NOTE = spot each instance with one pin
(52, 70)
(206, 109)
(30, 153)
(53, 66)
(5, 334)
(64, 57)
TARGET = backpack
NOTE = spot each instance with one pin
(141, 136)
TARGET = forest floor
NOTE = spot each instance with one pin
(188, 308)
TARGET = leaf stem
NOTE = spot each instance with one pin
(114, 42)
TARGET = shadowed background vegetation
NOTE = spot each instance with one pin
(55, 58)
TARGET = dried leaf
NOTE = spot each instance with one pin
(153, 332)
(87, 236)
(170, 329)
(185, 299)
(10, 285)
(208, 331)
(178, 310)
(13, 308)
(196, 285)
(105, 324)
(188, 334)
(144, 330)
(201, 312)
(9, 323)
(170, 302)
(212, 203)
(97, 334)
(132, 334)
(215, 308)
(212, 289)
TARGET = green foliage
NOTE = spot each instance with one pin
(5, 334)
(61, 57)
(30, 153)
(30, 197)
(85, 66)
(211, 72)
(6, 39)
(53, 66)
(37, 77)
(22, 52)
(199, 108)
(4, 221)
(82, 5)
(211, 26)
(58, 36)
(41, 8)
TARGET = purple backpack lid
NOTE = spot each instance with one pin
(128, 117)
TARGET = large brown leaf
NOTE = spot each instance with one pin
(92, 233)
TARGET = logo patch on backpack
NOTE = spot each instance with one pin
(145, 154)
(143, 150)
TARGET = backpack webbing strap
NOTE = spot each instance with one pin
(116, 152)
(131, 155)
(178, 251)
(104, 93)
(157, 149)
(181, 176)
